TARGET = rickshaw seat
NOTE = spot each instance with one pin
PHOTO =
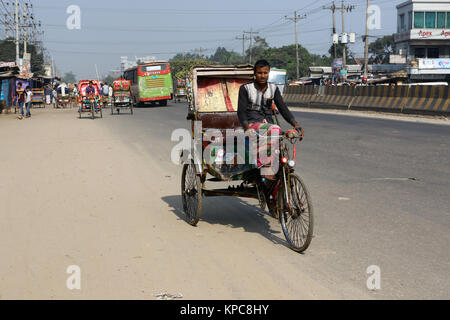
(219, 120)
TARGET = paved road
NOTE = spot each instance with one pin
(107, 198)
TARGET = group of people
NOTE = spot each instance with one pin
(24, 96)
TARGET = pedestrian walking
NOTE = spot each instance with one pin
(29, 95)
(20, 94)
(110, 95)
(54, 96)
(48, 94)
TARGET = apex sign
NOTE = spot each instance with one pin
(431, 34)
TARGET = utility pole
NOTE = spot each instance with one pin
(295, 19)
(366, 40)
(251, 32)
(16, 18)
(344, 8)
(243, 38)
(333, 10)
(6, 26)
(53, 68)
(25, 27)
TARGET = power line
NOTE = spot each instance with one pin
(149, 29)
(176, 11)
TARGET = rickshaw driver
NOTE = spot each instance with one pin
(90, 92)
(255, 111)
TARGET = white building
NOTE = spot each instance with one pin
(423, 37)
(125, 63)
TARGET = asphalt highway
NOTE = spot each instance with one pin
(380, 191)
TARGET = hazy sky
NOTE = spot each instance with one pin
(112, 28)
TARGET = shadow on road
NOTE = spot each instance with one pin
(217, 211)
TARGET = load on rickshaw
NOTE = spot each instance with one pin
(221, 151)
(121, 96)
(180, 92)
(90, 102)
(63, 99)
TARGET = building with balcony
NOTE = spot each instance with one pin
(423, 38)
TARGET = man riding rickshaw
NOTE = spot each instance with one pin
(90, 99)
(236, 136)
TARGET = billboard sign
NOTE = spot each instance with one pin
(338, 63)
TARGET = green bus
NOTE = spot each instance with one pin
(150, 83)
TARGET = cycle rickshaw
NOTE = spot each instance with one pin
(121, 96)
(180, 92)
(87, 103)
(213, 104)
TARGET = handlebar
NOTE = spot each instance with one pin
(290, 134)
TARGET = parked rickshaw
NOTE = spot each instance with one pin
(88, 102)
(180, 92)
(121, 98)
(37, 98)
(214, 103)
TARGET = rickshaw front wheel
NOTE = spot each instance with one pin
(296, 213)
(191, 194)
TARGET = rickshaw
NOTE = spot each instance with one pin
(37, 98)
(63, 99)
(180, 92)
(86, 102)
(213, 156)
(121, 98)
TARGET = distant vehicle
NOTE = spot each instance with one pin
(89, 101)
(278, 77)
(121, 96)
(151, 83)
(180, 92)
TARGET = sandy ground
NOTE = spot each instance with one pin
(72, 194)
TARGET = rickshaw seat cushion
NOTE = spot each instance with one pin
(219, 120)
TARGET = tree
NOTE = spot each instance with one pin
(109, 79)
(340, 52)
(8, 54)
(182, 63)
(69, 77)
(381, 48)
(7, 50)
(37, 61)
(223, 56)
(259, 47)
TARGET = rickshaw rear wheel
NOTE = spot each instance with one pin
(131, 108)
(191, 194)
(296, 215)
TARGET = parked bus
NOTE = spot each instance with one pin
(150, 83)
